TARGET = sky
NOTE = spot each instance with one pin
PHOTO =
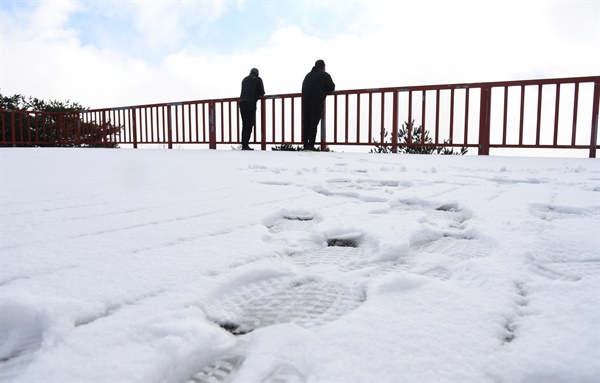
(122, 53)
(264, 267)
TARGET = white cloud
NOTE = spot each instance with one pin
(161, 22)
(402, 43)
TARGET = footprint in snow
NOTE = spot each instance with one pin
(21, 335)
(553, 212)
(305, 302)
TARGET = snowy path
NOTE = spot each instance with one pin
(218, 266)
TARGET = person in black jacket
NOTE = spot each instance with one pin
(315, 87)
(252, 90)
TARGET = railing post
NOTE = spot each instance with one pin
(104, 129)
(395, 123)
(484, 122)
(13, 131)
(132, 110)
(211, 126)
(59, 135)
(169, 127)
(263, 123)
(594, 133)
(78, 130)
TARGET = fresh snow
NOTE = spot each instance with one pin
(215, 266)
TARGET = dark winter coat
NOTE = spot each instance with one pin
(252, 89)
(317, 84)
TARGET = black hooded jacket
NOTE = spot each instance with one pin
(252, 88)
(317, 84)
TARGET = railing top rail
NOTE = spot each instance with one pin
(565, 80)
(25, 111)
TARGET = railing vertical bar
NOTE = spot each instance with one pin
(196, 122)
(170, 126)
(24, 121)
(148, 137)
(358, 118)
(133, 112)
(164, 124)
(594, 127)
(222, 124)
(3, 117)
(138, 133)
(484, 120)
(180, 122)
(522, 115)
(452, 115)
(103, 129)
(575, 107)
(467, 102)
(112, 131)
(108, 136)
(273, 139)
(538, 125)
(60, 132)
(335, 119)
(120, 123)
(148, 122)
(166, 112)
(189, 124)
(382, 130)
(158, 113)
(504, 120)
(230, 106)
(293, 125)
(346, 111)
(205, 127)
(212, 127)
(29, 127)
(437, 116)
(423, 106)
(173, 126)
(410, 126)
(263, 124)
(371, 116)
(150, 125)
(395, 122)
(4, 125)
(283, 120)
(13, 129)
(556, 112)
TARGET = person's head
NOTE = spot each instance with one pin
(320, 64)
(254, 71)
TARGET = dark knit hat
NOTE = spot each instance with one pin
(254, 71)
(320, 64)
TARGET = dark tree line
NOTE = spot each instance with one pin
(30, 121)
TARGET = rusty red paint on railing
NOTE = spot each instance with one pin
(552, 117)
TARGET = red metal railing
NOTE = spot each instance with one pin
(557, 113)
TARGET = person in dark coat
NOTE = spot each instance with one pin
(252, 90)
(315, 87)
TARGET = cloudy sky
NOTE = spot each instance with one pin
(121, 53)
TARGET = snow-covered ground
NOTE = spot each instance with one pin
(213, 266)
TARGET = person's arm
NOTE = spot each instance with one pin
(330, 86)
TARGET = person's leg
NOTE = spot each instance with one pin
(248, 114)
(316, 111)
(306, 122)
